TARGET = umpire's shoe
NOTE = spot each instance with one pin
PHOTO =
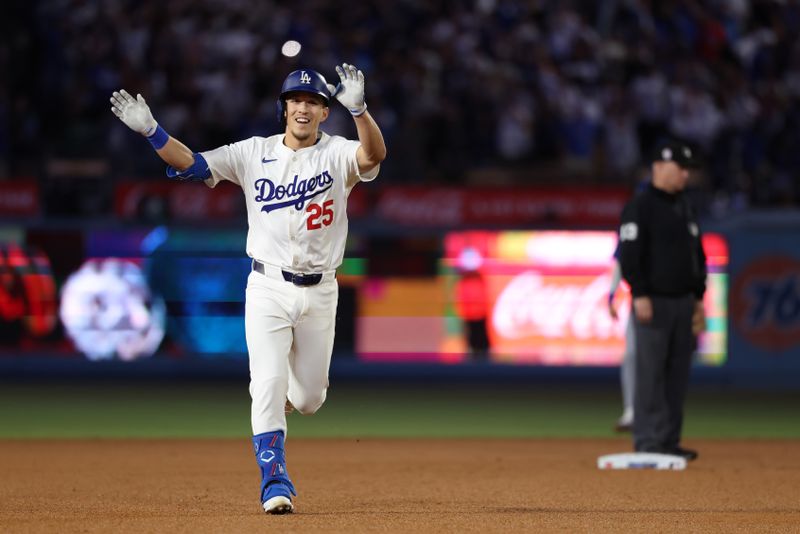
(688, 454)
(276, 487)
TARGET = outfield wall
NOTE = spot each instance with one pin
(764, 297)
(148, 300)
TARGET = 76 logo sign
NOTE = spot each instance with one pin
(765, 303)
(321, 215)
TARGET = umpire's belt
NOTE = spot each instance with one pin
(298, 279)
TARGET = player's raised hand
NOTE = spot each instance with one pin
(350, 91)
(134, 112)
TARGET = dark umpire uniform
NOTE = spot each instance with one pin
(662, 259)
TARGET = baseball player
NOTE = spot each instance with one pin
(296, 186)
(627, 368)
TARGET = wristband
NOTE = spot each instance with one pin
(358, 112)
(159, 138)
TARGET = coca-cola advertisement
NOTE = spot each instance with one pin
(521, 297)
(547, 295)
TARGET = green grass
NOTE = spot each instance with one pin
(210, 410)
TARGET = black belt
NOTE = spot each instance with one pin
(297, 279)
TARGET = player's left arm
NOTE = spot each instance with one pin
(350, 93)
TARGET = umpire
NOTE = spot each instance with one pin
(662, 259)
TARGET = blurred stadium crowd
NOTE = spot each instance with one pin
(517, 91)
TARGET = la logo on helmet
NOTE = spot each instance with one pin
(304, 77)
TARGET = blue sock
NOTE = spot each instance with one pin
(271, 459)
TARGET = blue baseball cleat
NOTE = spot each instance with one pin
(276, 486)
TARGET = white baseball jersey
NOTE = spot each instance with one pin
(296, 199)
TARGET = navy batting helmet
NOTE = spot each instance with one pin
(305, 81)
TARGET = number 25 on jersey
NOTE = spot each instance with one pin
(321, 215)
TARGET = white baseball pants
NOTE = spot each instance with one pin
(289, 332)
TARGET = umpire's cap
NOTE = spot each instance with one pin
(677, 151)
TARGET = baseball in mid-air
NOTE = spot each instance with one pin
(290, 48)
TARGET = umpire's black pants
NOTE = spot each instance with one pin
(664, 349)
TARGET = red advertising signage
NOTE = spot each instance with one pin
(179, 201)
(547, 295)
(19, 198)
(538, 297)
(453, 207)
(415, 206)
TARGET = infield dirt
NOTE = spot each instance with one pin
(397, 485)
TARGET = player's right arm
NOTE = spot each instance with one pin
(136, 115)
